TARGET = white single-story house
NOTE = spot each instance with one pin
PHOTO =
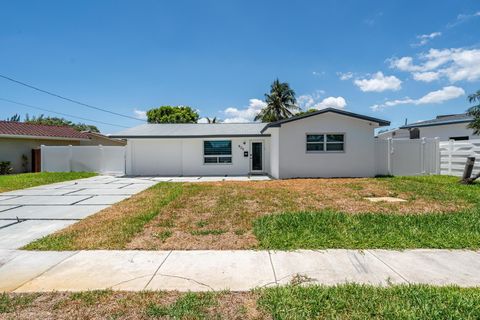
(445, 127)
(325, 143)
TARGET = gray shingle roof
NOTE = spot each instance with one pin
(441, 120)
(191, 130)
(334, 110)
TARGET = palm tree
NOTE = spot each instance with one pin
(474, 112)
(280, 103)
(214, 120)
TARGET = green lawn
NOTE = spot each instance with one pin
(334, 229)
(366, 302)
(327, 229)
(27, 180)
(349, 301)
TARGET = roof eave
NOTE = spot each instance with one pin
(413, 125)
(380, 122)
(188, 136)
(19, 136)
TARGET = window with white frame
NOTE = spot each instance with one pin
(217, 151)
(326, 142)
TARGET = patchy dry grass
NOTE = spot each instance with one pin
(221, 215)
(115, 226)
(131, 305)
(350, 301)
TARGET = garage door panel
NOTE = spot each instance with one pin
(157, 157)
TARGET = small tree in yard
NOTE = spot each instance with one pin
(475, 125)
(169, 114)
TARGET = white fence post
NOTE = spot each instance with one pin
(437, 156)
(389, 156)
(42, 157)
(422, 156)
(450, 152)
(102, 159)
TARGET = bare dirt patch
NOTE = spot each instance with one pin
(220, 215)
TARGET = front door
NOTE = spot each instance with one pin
(257, 157)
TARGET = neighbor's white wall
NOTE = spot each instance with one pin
(171, 157)
(395, 134)
(446, 131)
(12, 149)
(357, 160)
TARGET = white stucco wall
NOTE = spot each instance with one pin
(274, 152)
(172, 157)
(12, 149)
(356, 161)
(446, 131)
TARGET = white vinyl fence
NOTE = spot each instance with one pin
(405, 157)
(453, 156)
(101, 159)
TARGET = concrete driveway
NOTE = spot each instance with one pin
(29, 214)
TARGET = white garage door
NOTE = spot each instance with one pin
(157, 157)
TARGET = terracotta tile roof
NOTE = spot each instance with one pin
(39, 130)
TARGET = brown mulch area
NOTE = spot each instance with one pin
(220, 215)
(129, 305)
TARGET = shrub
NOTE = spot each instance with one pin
(5, 167)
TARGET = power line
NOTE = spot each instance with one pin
(61, 113)
(68, 99)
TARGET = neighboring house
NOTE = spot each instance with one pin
(18, 139)
(325, 143)
(396, 133)
(445, 127)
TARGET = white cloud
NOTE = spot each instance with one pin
(378, 83)
(202, 120)
(345, 75)
(434, 97)
(461, 18)
(428, 76)
(332, 102)
(140, 114)
(315, 101)
(318, 74)
(457, 64)
(423, 39)
(234, 115)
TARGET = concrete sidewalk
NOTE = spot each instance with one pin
(27, 271)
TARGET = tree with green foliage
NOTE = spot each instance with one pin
(171, 114)
(474, 112)
(305, 112)
(213, 120)
(281, 103)
(14, 118)
(55, 121)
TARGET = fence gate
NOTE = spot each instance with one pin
(407, 157)
(100, 159)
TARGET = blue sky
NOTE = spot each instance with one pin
(388, 59)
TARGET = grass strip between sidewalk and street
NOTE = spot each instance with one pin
(348, 301)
